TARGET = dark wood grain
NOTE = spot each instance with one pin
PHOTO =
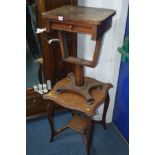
(94, 21)
(79, 75)
(80, 15)
(79, 93)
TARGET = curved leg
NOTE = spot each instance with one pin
(88, 134)
(106, 105)
(50, 109)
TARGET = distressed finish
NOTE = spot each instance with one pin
(76, 92)
(75, 102)
(93, 21)
(84, 90)
(74, 60)
(80, 19)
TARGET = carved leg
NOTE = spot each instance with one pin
(50, 109)
(88, 134)
(106, 105)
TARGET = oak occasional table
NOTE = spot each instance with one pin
(77, 92)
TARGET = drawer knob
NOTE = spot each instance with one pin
(34, 101)
(70, 27)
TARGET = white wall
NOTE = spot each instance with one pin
(107, 69)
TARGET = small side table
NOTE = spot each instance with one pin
(77, 92)
(76, 102)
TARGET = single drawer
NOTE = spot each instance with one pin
(71, 27)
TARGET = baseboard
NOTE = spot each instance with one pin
(120, 133)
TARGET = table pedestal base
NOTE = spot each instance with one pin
(84, 91)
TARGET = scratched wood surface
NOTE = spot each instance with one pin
(80, 14)
(75, 101)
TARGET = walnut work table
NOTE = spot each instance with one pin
(77, 92)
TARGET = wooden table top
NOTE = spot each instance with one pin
(76, 102)
(80, 14)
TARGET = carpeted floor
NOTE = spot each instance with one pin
(69, 142)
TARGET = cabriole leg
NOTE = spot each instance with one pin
(106, 105)
(50, 110)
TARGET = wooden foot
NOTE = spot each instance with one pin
(84, 90)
